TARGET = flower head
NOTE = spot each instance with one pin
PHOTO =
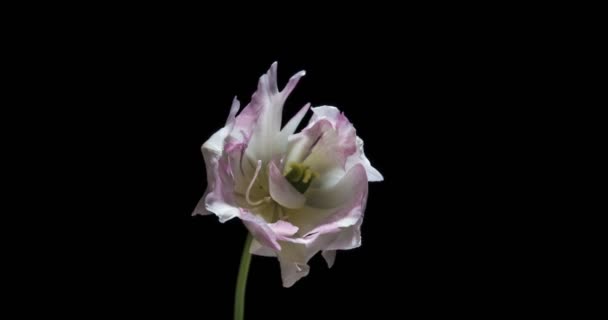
(297, 193)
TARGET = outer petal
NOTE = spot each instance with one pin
(325, 228)
(295, 254)
(260, 230)
(291, 272)
(282, 191)
(283, 229)
(347, 133)
(220, 199)
(212, 151)
(330, 257)
(267, 235)
(348, 238)
(359, 157)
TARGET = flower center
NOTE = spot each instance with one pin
(300, 176)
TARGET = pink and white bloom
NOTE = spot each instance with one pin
(297, 193)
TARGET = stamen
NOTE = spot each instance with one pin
(300, 176)
(255, 176)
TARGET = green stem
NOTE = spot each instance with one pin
(241, 281)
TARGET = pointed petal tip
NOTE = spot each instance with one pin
(330, 257)
(299, 75)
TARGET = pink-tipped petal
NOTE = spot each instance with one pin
(212, 151)
(220, 197)
(283, 228)
(328, 112)
(347, 135)
(244, 164)
(260, 230)
(293, 81)
(267, 103)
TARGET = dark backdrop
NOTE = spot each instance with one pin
(426, 102)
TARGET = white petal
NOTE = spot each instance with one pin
(212, 150)
(222, 210)
(266, 142)
(291, 272)
(339, 194)
(282, 191)
(293, 81)
(293, 123)
(260, 230)
(347, 239)
(283, 228)
(329, 215)
(330, 257)
(260, 250)
(325, 112)
(233, 110)
(359, 157)
(302, 145)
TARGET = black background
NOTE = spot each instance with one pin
(428, 101)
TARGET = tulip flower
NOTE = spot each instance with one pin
(298, 194)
